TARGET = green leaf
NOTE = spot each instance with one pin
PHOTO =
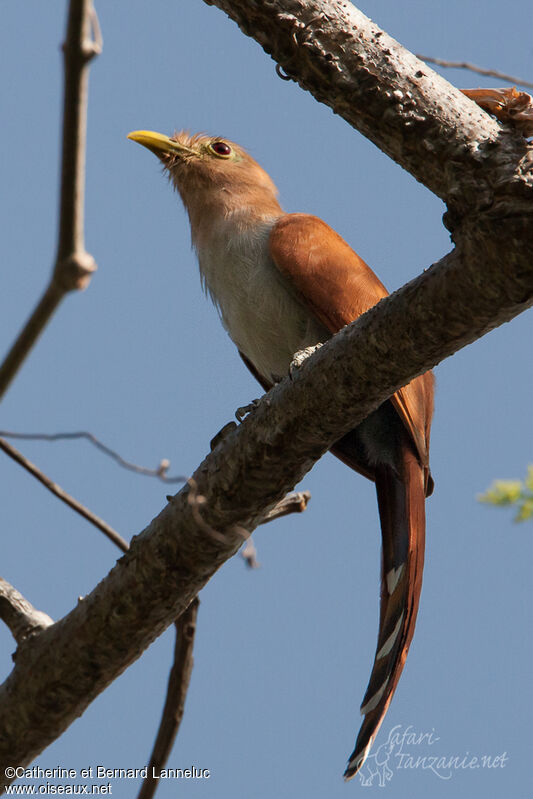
(516, 493)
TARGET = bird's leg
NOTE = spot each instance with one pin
(299, 357)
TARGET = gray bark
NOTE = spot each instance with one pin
(409, 111)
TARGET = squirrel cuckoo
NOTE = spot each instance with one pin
(285, 282)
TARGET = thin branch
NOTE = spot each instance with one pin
(95, 44)
(19, 614)
(73, 270)
(249, 554)
(63, 496)
(178, 685)
(491, 73)
(296, 502)
(293, 503)
(160, 472)
(74, 266)
(22, 619)
(79, 49)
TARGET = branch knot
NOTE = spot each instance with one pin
(74, 272)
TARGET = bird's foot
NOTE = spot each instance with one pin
(240, 413)
(299, 357)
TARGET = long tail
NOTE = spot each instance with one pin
(402, 513)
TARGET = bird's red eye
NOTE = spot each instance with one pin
(221, 148)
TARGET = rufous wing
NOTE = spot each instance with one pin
(337, 286)
(327, 275)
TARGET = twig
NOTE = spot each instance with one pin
(74, 266)
(22, 619)
(97, 41)
(63, 496)
(160, 472)
(19, 614)
(195, 501)
(296, 502)
(491, 73)
(178, 684)
(249, 554)
(293, 503)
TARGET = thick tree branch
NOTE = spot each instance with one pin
(410, 112)
(250, 470)
(74, 266)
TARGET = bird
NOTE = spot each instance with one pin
(284, 283)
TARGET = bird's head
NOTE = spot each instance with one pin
(213, 175)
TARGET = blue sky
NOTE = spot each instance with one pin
(139, 359)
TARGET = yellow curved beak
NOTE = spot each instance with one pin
(158, 143)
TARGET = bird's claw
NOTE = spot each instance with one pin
(240, 413)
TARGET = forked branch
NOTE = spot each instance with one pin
(19, 614)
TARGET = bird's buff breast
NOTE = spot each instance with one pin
(263, 318)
